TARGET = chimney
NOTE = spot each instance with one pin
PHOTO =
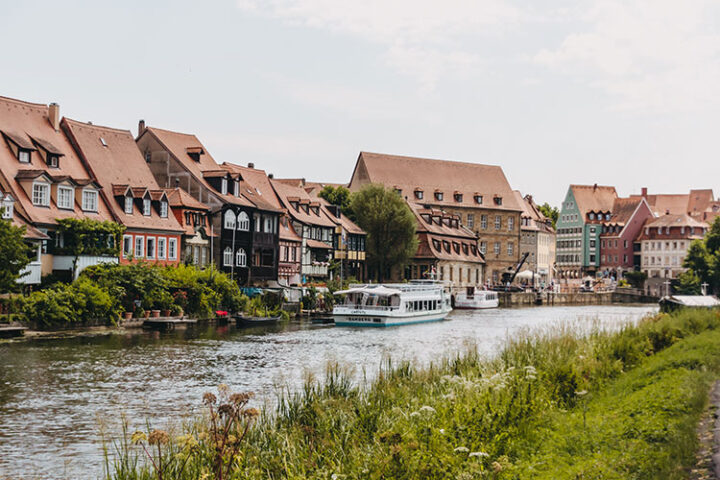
(667, 211)
(54, 116)
(251, 165)
(643, 192)
(594, 187)
(141, 127)
(270, 175)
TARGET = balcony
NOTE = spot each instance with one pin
(263, 273)
(31, 275)
(262, 238)
(65, 262)
(315, 270)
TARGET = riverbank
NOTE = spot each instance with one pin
(555, 404)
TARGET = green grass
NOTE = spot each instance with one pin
(519, 416)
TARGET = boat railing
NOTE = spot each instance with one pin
(403, 287)
(376, 308)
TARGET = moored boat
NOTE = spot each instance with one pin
(243, 321)
(475, 299)
(385, 305)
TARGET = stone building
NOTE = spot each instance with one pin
(478, 195)
(537, 238)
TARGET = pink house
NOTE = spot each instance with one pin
(618, 253)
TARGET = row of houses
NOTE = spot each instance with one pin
(179, 204)
(603, 235)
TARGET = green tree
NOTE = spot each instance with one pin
(15, 255)
(390, 227)
(339, 196)
(698, 260)
(636, 279)
(688, 284)
(550, 212)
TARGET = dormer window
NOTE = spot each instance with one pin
(223, 186)
(129, 205)
(436, 244)
(607, 216)
(89, 200)
(53, 160)
(446, 246)
(164, 209)
(7, 205)
(41, 194)
(438, 196)
(419, 194)
(316, 210)
(458, 197)
(146, 207)
(426, 217)
(294, 205)
(23, 155)
(478, 199)
(194, 153)
(591, 216)
(236, 188)
(456, 247)
(148, 157)
(497, 201)
(65, 197)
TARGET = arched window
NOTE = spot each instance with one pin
(243, 221)
(241, 258)
(229, 221)
(227, 256)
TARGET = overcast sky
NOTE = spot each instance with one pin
(624, 93)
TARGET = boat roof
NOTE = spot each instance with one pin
(693, 300)
(373, 289)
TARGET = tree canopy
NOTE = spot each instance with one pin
(703, 261)
(390, 226)
(550, 212)
(15, 255)
(339, 196)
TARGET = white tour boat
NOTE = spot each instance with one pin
(392, 304)
(475, 299)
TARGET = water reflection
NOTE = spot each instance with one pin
(54, 393)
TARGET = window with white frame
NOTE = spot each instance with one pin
(498, 222)
(268, 224)
(243, 222)
(227, 256)
(150, 247)
(89, 200)
(129, 205)
(164, 209)
(483, 222)
(229, 220)
(236, 188)
(161, 248)
(23, 155)
(223, 186)
(496, 248)
(511, 223)
(510, 248)
(241, 258)
(483, 247)
(172, 248)
(127, 246)
(41, 194)
(65, 197)
(139, 247)
(146, 207)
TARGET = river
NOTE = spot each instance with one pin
(57, 394)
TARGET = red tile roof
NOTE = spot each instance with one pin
(287, 232)
(287, 192)
(255, 185)
(179, 198)
(411, 173)
(113, 157)
(594, 198)
(22, 121)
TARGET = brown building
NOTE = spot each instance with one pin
(447, 251)
(537, 239)
(700, 204)
(290, 254)
(479, 195)
(194, 217)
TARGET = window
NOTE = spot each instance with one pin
(41, 194)
(511, 223)
(269, 226)
(128, 205)
(229, 221)
(243, 222)
(223, 186)
(164, 209)
(89, 200)
(148, 157)
(162, 247)
(458, 197)
(139, 247)
(196, 255)
(438, 196)
(127, 246)
(470, 220)
(172, 248)
(146, 207)
(236, 188)
(498, 222)
(496, 248)
(483, 247)
(591, 216)
(497, 200)
(150, 247)
(203, 256)
(24, 156)
(510, 248)
(419, 194)
(241, 258)
(227, 256)
(478, 199)
(65, 197)
(483, 222)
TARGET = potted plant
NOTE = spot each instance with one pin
(139, 312)
(127, 315)
(155, 313)
(164, 302)
(176, 310)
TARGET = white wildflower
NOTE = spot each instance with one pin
(427, 409)
(415, 414)
(478, 454)
(461, 450)
(442, 431)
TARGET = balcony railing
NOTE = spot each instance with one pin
(31, 274)
(374, 308)
(262, 238)
(315, 270)
(263, 273)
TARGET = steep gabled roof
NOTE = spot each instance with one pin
(255, 185)
(113, 157)
(594, 198)
(177, 197)
(287, 192)
(410, 173)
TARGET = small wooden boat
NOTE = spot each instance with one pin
(243, 321)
